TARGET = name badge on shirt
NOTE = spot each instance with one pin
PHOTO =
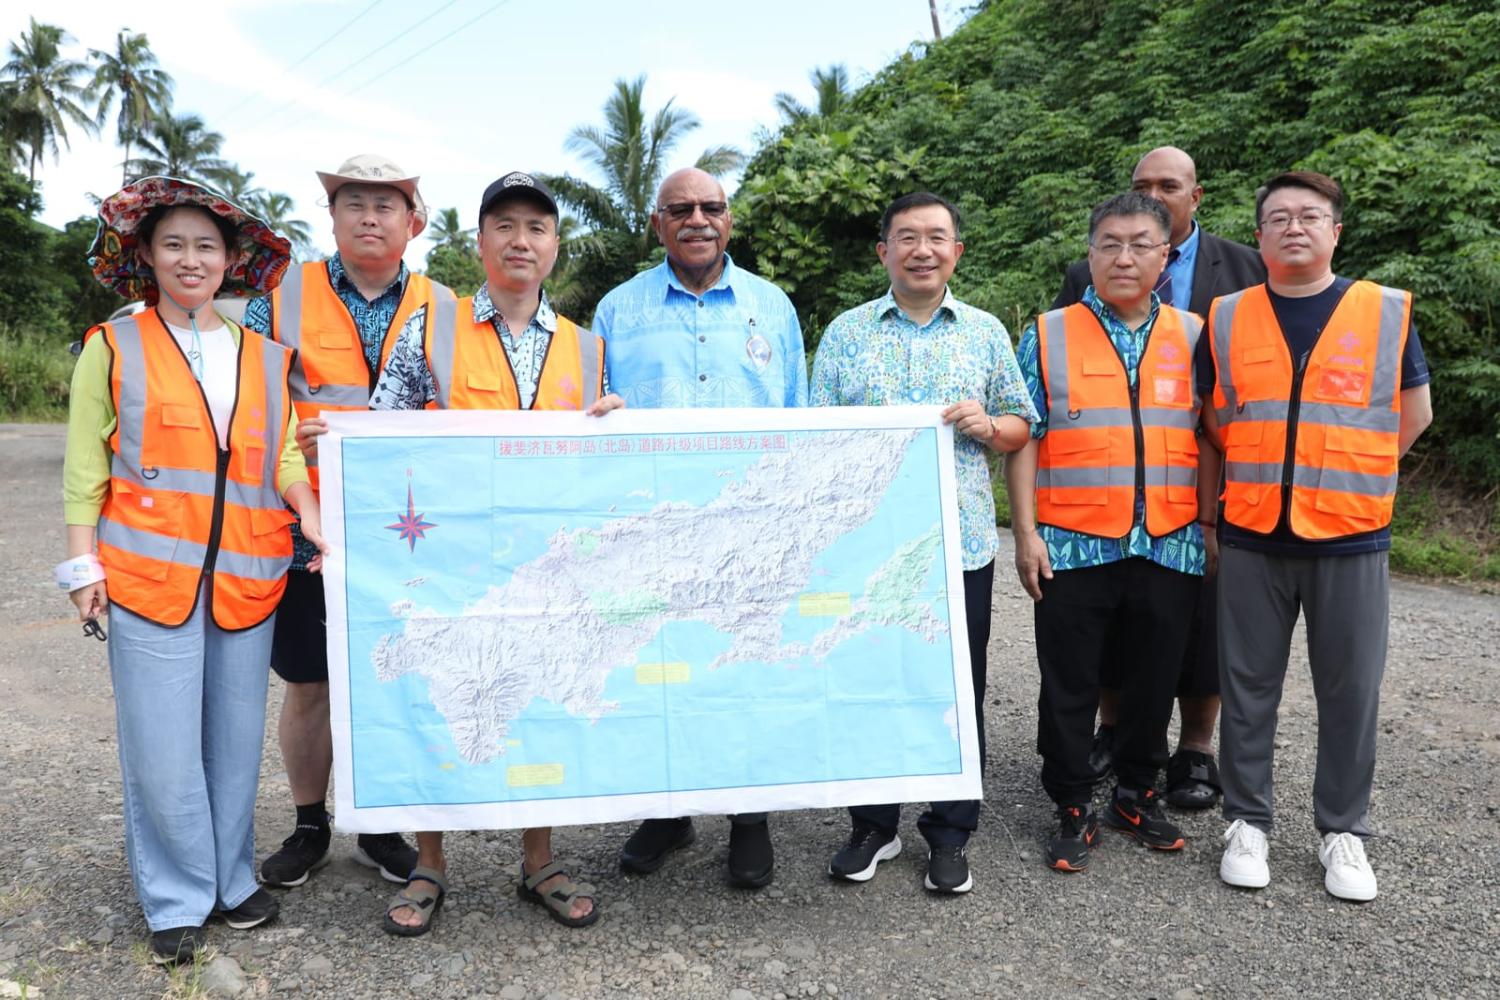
(757, 349)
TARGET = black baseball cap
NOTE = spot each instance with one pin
(517, 184)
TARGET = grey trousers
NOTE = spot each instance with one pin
(1346, 602)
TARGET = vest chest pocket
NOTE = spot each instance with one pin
(482, 382)
(1171, 391)
(181, 416)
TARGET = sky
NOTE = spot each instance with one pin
(461, 91)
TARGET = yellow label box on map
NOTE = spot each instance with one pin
(529, 775)
(662, 673)
(830, 605)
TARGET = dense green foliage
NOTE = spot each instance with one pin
(1036, 109)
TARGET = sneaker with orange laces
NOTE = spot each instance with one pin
(1138, 814)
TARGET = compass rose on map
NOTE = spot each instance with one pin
(411, 525)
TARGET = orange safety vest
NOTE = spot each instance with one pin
(473, 372)
(1106, 439)
(178, 507)
(1328, 434)
(331, 372)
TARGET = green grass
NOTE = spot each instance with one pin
(35, 371)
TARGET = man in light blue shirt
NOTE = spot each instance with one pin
(696, 331)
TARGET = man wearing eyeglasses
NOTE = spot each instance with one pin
(1106, 515)
(697, 331)
(1319, 387)
(1200, 267)
(919, 344)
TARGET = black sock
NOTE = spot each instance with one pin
(314, 814)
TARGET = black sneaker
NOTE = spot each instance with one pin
(652, 841)
(867, 847)
(751, 858)
(1077, 829)
(1102, 753)
(176, 944)
(387, 853)
(1139, 815)
(305, 850)
(948, 869)
(1192, 780)
(259, 907)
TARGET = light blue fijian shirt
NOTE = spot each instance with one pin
(737, 344)
(1181, 270)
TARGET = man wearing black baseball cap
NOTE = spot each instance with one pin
(529, 358)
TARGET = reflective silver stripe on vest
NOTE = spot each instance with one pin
(1172, 475)
(1358, 417)
(1162, 416)
(150, 545)
(1341, 481)
(1388, 350)
(287, 323)
(1053, 477)
(1224, 366)
(271, 359)
(1257, 473)
(1103, 416)
(251, 567)
(441, 339)
(350, 396)
(588, 353)
(130, 355)
(200, 483)
(1057, 371)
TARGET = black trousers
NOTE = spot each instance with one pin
(1134, 612)
(1199, 677)
(952, 822)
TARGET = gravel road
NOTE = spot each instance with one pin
(1136, 924)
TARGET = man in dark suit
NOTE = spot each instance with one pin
(1200, 267)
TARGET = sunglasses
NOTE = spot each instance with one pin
(679, 210)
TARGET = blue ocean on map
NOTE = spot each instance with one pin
(434, 524)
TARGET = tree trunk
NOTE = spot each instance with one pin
(937, 30)
(125, 167)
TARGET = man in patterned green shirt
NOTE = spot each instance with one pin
(1090, 588)
(918, 344)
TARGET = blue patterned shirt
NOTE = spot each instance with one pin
(1182, 549)
(407, 382)
(372, 318)
(737, 344)
(876, 355)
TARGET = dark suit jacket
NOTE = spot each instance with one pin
(1222, 267)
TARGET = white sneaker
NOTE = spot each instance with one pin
(1244, 861)
(1348, 873)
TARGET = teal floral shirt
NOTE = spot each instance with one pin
(876, 355)
(1181, 550)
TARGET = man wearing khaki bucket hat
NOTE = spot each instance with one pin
(342, 317)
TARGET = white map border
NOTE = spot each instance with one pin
(615, 808)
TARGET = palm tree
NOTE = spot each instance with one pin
(275, 209)
(180, 146)
(45, 91)
(631, 152)
(832, 89)
(130, 75)
(239, 186)
(447, 230)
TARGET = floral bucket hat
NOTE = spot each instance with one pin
(262, 256)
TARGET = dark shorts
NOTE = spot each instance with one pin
(299, 647)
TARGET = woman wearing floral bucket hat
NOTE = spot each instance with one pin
(180, 454)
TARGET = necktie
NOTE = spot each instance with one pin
(1164, 283)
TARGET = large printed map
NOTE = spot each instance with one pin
(553, 618)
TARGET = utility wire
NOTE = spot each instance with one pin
(480, 16)
(363, 58)
(309, 53)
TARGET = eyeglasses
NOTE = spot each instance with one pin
(910, 241)
(679, 210)
(1112, 248)
(93, 628)
(1310, 219)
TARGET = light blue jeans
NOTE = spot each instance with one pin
(190, 711)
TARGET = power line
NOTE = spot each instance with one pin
(309, 53)
(480, 16)
(364, 57)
